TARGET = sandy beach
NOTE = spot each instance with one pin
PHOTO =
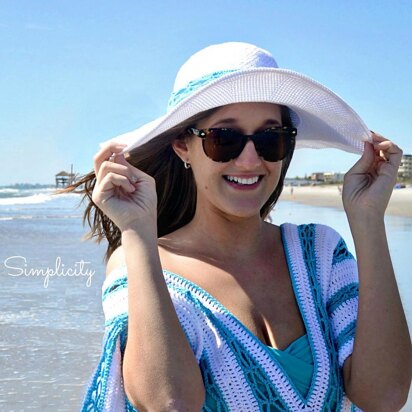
(330, 196)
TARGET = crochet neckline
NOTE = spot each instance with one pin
(288, 244)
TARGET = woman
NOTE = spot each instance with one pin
(223, 310)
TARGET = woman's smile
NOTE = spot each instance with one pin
(243, 182)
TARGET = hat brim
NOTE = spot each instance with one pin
(322, 118)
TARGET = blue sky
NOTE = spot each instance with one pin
(75, 73)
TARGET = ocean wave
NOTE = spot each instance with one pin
(39, 217)
(8, 190)
(38, 198)
(27, 198)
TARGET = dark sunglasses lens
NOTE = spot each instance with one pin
(222, 145)
(274, 145)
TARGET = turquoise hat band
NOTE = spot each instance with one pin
(193, 85)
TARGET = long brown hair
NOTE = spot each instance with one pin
(175, 185)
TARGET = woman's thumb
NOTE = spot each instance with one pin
(365, 161)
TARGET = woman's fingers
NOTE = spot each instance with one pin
(365, 161)
(105, 153)
(137, 174)
(110, 184)
(387, 150)
(112, 180)
(378, 151)
(110, 159)
(113, 167)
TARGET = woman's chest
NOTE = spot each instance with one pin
(261, 298)
(267, 307)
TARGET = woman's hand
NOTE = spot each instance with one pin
(369, 183)
(124, 193)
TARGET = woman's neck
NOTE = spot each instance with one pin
(227, 236)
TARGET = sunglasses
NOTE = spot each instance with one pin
(223, 145)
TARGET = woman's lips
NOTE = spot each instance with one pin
(243, 182)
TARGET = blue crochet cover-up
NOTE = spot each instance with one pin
(240, 373)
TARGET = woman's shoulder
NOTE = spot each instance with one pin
(116, 260)
(116, 267)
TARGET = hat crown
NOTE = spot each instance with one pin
(222, 58)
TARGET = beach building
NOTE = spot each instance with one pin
(64, 179)
(405, 169)
(317, 177)
(327, 177)
(333, 177)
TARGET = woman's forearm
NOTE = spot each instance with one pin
(160, 370)
(381, 359)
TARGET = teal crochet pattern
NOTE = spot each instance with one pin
(239, 372)
(193, 86)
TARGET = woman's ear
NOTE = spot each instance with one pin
(181, 149)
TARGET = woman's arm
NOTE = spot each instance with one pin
(378, 374)
(159, 368)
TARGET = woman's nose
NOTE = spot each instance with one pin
(249, 158)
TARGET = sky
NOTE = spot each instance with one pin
(76, 73)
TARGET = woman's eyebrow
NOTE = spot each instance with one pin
(233, 121)
(272, 121)
(229, 121)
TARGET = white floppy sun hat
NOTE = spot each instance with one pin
(236, 72)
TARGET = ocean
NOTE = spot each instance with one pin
(51, 320)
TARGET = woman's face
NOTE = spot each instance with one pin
(240, 187)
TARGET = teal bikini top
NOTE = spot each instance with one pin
(297, 361)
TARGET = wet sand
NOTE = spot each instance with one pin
(330, 196)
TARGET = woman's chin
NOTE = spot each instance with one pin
(243, 211)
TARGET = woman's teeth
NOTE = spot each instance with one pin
(242, 180)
